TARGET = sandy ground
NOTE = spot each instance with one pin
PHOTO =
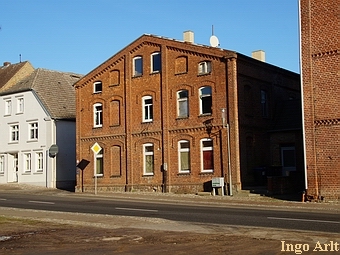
(43, 232)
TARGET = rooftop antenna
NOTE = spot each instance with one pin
(20, 57)
(213, 39)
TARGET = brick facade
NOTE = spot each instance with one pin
(320, 35)
(123, 133)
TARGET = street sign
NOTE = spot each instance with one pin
(53, 151)
(96, 148)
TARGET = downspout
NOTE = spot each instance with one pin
(302, 101)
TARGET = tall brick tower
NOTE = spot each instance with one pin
(319, 42)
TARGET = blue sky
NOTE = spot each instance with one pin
(78, 35)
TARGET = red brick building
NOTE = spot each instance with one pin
(155, 110)
(320, 33)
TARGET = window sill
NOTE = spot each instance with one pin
(96, 127)
(211, 172)
(32, 141)
(147, 121)
(205, 114)
(137, 75)
(13, 142)
(148, 175)
(182, 118)
(19, 113)
(97, 92)
(98, 176)
(204, 74)
(181, 73)
(155, 72)
(38, 172)
(184, 173)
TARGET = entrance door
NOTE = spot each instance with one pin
(12, 167)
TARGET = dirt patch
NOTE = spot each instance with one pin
(26, 236)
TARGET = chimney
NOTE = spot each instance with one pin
(7, 63)
(259, 55)
(188, 36)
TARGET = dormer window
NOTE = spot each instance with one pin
(204, 67)
(97, 87)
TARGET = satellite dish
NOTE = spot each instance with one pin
(214, 41)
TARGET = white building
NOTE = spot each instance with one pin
(37, 126)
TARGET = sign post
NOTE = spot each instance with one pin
(96, 149)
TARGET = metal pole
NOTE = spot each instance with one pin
(229, 167)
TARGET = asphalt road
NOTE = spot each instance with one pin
(188, 212)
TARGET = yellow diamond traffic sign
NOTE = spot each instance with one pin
(96, 148)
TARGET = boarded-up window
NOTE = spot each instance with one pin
(114, 78)
(181, 65)
(116, 161)
(115, 113)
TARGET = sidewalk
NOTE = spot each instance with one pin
(236, 200)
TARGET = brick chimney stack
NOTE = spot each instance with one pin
(7, 63)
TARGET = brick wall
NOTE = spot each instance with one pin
(126, 137)
(320, 68)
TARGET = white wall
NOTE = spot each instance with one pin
(33, 112)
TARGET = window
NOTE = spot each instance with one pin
(156, 62)
(207, 159)
(288, 160)
(8, 107)
(20, 105)
(97, 87)
(33, 131)
(99, 166)
(205, 100)
(28, 162)
(184, 156)
(14, 133)
(98, 115)
(137, 66)
(264, 103)
(39, 156)
(204, 67)
(147, 109)
(2, 164)
(148, 164)
(182, 104)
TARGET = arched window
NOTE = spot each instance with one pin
(205, 100)
(182, 104)
(97, 87)
(207, 155)
(137, 66)
(204, 67)
(148, 158)
(184, 156)
(155, 62)
(98, 115)
(147, 108)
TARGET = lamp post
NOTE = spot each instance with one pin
(226, 125)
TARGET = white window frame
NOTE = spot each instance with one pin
(203, 149)
(20, 105)
(97, 87)
(2, 164)
(135, 66)
(27, 162)
(33, 131)
(182, 101)
(14, 133)
(99, 156)
(185, 150)
(147, 154)
(204, 67)
(39, 161)
(97, 115)
(202, 97)
(8, 106)
(156, 69)
(147, 109)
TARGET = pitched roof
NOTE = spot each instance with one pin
(7, 72)
(54, 89)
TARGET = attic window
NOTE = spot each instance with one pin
(204, 67)
(97, 87)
